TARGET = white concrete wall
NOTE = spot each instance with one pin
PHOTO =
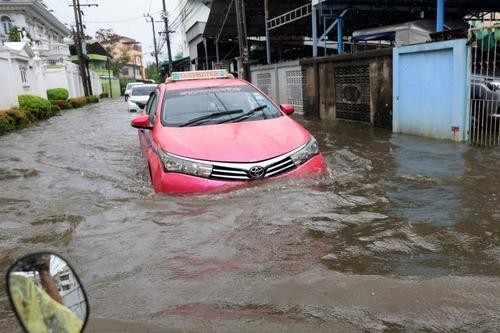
(9, 71)
(7, 95)
(74, 80)
(56, 78)
(96, 83)
(39, 80)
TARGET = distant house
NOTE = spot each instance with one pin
(98, 58)
(121, 46)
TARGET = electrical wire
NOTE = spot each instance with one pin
(124, 20)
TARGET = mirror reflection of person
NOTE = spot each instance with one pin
(48, 283)
(42, 311)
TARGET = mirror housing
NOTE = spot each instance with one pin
(288, 109)
(46, 294)
(141, 122)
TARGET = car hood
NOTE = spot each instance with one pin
(248, 141)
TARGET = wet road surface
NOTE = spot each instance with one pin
(403, 235)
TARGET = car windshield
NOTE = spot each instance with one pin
(132, 84)
(214, 105)
(142, 90)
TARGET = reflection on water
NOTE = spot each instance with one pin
(394, 205)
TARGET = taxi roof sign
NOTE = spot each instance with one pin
(199, 75)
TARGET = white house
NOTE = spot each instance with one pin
(41, 60)
(22, 72)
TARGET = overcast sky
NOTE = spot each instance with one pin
(125, 17)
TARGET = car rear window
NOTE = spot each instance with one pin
(180, 107)
(142, 90)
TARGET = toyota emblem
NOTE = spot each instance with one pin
(256, 172)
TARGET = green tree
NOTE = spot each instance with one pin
(152, 72)
(15, 34)
(120, 57)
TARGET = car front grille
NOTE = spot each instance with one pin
(241, 172)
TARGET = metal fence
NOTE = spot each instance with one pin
(283, 82)
(484, 121)
(352, 92)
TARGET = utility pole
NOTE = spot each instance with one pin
(79, 44)
(154, 40)
(268, 37)
(242, 40)
(167, 36)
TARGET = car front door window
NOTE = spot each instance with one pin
(151, 107)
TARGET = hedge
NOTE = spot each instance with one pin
(42, 107)
(78, 102)
(17, 118)
(62, 104)
(33, 108)
(57, 94)
(92, 99)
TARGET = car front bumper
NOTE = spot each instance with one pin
(177, 183)
(132, 107)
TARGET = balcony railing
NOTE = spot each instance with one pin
(54, 50)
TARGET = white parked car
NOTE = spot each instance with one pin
(129, 86)
(139, 95)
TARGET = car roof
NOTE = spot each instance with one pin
(135, 83)
(145, 85)
(194, 84)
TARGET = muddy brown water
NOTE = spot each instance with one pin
(403, 235)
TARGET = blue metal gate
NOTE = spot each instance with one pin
(430, 90)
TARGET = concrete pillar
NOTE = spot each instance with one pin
(340, 35)
(314, 31)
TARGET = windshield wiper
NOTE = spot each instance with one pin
(246, 115)
(210, 116)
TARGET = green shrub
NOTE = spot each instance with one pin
(42, 107)
(78, 102)
(58, 102)
(92, 99)
(62, 105)
(17, 118)
(57, 94)
(104, 95)
(7, 124)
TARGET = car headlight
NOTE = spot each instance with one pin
(173, 163)
(310, 149)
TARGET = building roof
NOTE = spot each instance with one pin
(362, 14)
(20, 49)
(93, 47)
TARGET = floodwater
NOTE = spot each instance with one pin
(403, 235)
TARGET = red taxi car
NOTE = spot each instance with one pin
(205, 130)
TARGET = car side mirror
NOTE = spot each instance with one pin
(141, 122)
(46, 294)
(288, 109)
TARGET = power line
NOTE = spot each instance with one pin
(124, 20)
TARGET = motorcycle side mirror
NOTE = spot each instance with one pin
(46, 294)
